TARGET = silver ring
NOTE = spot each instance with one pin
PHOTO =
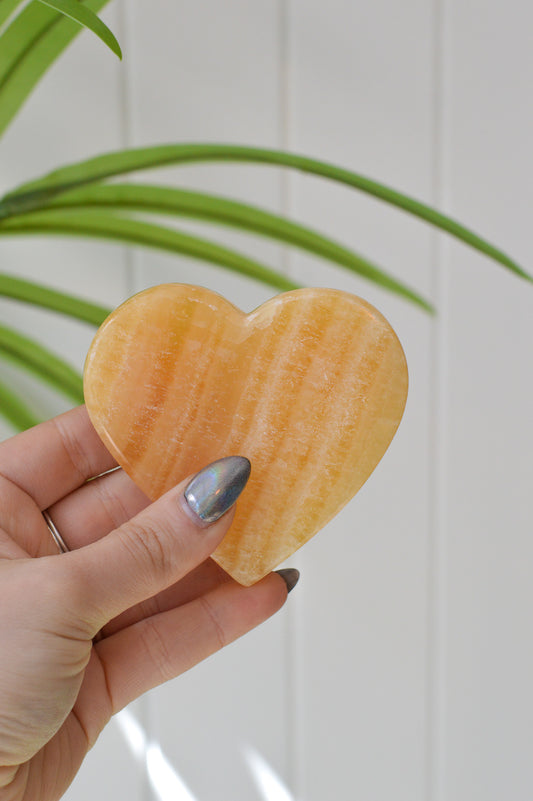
(58, 539)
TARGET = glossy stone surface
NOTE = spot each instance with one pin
(310, 387)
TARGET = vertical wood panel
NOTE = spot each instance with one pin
(488, 600)
(211, 73)
(361, 94)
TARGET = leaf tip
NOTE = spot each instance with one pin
(117, 50)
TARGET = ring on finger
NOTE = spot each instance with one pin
(52, 528)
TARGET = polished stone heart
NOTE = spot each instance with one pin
(311, 387)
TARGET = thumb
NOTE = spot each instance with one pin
(159, 546)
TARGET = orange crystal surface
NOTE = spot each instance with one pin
(311, 387)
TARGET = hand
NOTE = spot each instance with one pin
(137, 578)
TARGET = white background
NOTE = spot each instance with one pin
(401, 667)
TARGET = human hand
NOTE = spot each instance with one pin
(135, 601)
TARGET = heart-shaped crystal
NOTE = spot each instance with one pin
(311, 387)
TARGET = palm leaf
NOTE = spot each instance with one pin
(48, 298)
(35, 194)
(136, 232)
(28, 47)
(6, 9)
(14, 410)
(32, 356)
(85, 17)
(167, 200)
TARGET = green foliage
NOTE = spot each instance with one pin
(183, 203)
(29, 45)
(78, 201)
(6, 9)
(117, 228)
(29, 354)
(37, 193)
(47, 298)
(15, 410)
(84, 16)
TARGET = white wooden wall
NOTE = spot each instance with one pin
(402, 665)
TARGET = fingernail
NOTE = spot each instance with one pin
(215, 489)
(290, 576)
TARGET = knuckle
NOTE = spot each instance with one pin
(156, 648)
(74, 448)
(213, 622)
(147, 542)
(110, 503)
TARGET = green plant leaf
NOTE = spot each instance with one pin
(167, 200)
(37, 193)
(28, 47)
(6, 9)
(48, 298)
(80, 13)
(14, 410)
(32, 356)
(135, 232)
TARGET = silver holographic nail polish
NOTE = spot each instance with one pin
(215, 489)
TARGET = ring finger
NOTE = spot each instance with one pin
(95, 509)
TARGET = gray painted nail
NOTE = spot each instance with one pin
(290, 576)
(215, 489)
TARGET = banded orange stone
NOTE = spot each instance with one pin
(311, 387)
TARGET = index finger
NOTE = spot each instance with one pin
(55, 457)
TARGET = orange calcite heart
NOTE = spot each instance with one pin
(311, 387)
